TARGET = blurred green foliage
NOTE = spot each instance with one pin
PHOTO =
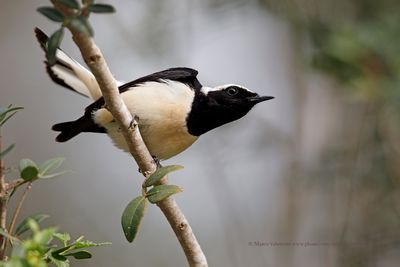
(38, 248)
(364, 55)
(356, 42)
(133, 213)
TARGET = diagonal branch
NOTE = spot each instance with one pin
(3, 203)
(17, 211)
(98, 66)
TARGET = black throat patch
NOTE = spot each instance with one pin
(215, 109)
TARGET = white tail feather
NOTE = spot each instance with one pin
(69, 73)
(80, 78)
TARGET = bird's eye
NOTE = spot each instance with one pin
(232, 91)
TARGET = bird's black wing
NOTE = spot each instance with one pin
(181, 74)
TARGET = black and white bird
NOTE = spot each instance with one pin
(172, 106)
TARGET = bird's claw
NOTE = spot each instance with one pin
(157, 162)
(134, 122)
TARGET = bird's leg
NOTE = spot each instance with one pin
(134, 123)
(157, 162)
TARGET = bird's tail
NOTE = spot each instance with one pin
(71, 129)
(69, 73)
(67, 129)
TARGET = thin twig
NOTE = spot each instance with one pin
(11, 185)
(17, 211)
(3, 202)
(98, 66)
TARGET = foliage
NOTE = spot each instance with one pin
(364, 55)
(358, 47)
(353, 41)
(39, 249)
(77, 19)
(36, 249)
(7, 113)
(134, 211)
(132, 217)
(30, 171)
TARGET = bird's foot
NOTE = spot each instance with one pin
(134, 122)
(157, 162)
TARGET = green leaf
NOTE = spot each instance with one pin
(79, 239)
(64, 238)
(88, 244)
(59, 257)
(50, 165)
(160, 173)
(33, 225)
(17, 262)
(58, 260)
(161, 192)
(4, 112)
(8, 109)
(80, 255)
(78, 244)
(53, 44)
(5, 151)
(69, 3)
(132, 217)
(51, 13)
(61, 250)
(28, 169)
(7, 118)
(81, 25)
(101, 8)
(45, 236)
(52, 175)
(23, 226)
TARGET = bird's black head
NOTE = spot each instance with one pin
(213, 107)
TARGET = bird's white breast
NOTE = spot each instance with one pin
(162, 109)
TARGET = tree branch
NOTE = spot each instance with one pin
(17, 211)
(128, 125)
(14, 184)
(3, 204)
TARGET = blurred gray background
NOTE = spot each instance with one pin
(310, 178)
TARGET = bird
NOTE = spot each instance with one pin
(172, 107)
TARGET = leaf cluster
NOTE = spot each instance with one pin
(76, 18)
(6, 114)
(39, 248)
(30, 171)
(134, 211)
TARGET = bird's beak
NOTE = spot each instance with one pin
(258, 99)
